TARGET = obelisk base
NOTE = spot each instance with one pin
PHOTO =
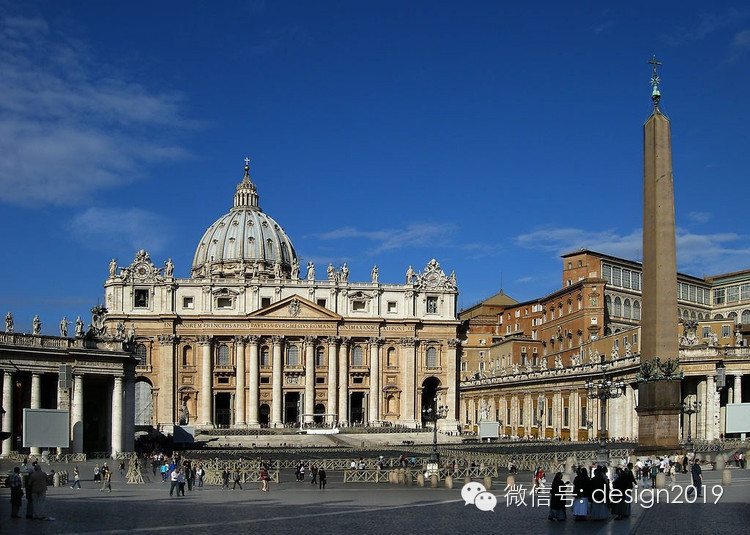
(659, 406)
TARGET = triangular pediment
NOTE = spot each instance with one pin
(295, 308)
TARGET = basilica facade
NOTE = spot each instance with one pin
(249, 341)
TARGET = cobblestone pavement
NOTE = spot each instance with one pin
(298, 507)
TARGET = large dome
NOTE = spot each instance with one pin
(245, 242)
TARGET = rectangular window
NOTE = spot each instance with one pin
(224, 302)
(566, 420)
(321, 303)
(520, 416)
(507, 417)
(607, 273)
(358, 306)
(391, 307)
(523, 359)
(616, 276)
(549, 418)
(141, 299)
(625, 278)
(187, 302)
(706, 332)
(432, 307)
(265, 302)
(745, 292)
(357, 380)
(265, 380)
(635, 281)
(464, 366)
(733, 294)
(719, 296)
(320, 380)
(584, 419)
(726, 331)
(223, 380)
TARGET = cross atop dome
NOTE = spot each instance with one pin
(246, 195)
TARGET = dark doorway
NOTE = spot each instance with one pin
(320, 410)
(264, 413)
(223, 405)
(429, 405)
(357, 409)
(291, 407)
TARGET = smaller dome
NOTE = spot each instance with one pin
(245, 242)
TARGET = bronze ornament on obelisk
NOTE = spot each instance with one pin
(659, 396)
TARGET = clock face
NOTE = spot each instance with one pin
(141, 270)
(432, 279)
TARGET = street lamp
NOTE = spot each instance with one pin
(540, 419)
(690, 409)
(603, 389)
(433, 414)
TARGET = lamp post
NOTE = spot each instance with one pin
(603, 389)
(540, 419)
(433, 414)
(690, 409)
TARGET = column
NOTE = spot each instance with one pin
(206, 391)
(333, 385)
(573, 415)
(409, 393)
(129, 425)
(117, 417)
(76, 420)
(344, 380)
(63, 404)
(239, 391)
(711, 404)
(309, 379)
(374, 397)
(254, 383)
(737, 387)
(8, 416)
(167, 348)
(699, 427)
(628, 411)
(277, 376)
(450, 423)
(36, 403)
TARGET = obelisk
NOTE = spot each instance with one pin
(659, 399)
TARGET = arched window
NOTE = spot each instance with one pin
(745, 317)
(357, 356)
(608, 304)
(618, 308)
(264, 360)
(636, 310)
(732, 316)
(626, 312)
(141, 355)
(223, 355)
(431, 357)
(692, 315)
(320, 357)
(718, 317)
(292, 356)
(187, 356)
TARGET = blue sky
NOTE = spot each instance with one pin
(492, 136)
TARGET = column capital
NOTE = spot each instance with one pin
(240, 340)
(333, 340)
(453, 342)
(345, 340)
(276, 339)
(204, 340)
(253, 339)
(408, 342)
(376, 341)
(309, 340)
(167, 339)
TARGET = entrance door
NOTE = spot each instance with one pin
(264, 413)
(320, 410)
(223, 409)
(357, 409)
(291, 407)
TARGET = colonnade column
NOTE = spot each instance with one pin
(239, 392)
(277, 375)
(711, 407)
(331, 405)
(309, 379)
(129, 424)
(117, 417)
(76, 421)
(8, 416)
(699, 429)
(573, 415)
(206, 391)
(253, 382)
(409, 393)
(628, 411)
(344, 380)
(36, 403)
(737, 387)
(374, 397)
(450, 423)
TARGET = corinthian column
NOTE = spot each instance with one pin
(8, 416)
(76, 420)
(409, 393)
(450, 423)
(117, 417)
(206, 391)
(239, 393)
(344, 380)
(167, 348)
(277, 375)
(374, 401)
(36, 403)
(253, 384)
(309, 378)
(332, 417)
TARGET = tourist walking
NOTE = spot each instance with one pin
(97, 473)
(322, 478)
(173, 482)
(599, 495)
(122, 468)
(314, 472)
(15, 483)
(582, 493)
(76, 479)
(225, 478)
(556, 502)
(624, 483)
(237, 479)
(107, 475)
(181, 482)
(200, 473)
(264, 479)
(38, 488)
(697, 475)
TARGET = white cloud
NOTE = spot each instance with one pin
(700, 217)
(707, 24)
(124, 230)
(414, 235)
(565, 240)
(66, 130)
